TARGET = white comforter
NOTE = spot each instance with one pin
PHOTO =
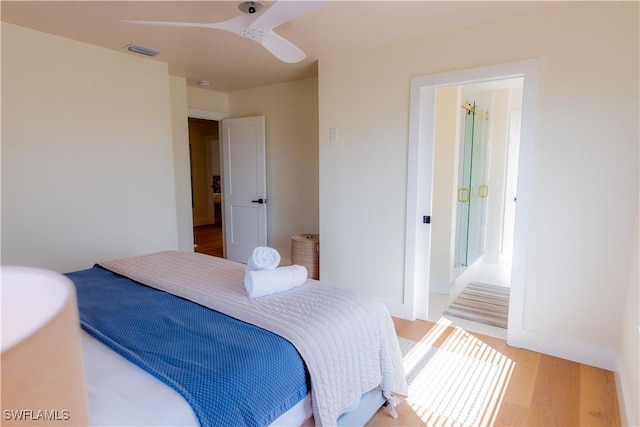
(346, 339)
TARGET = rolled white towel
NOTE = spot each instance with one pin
(263, 258)
(265, 282)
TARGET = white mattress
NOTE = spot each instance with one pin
(122, 394)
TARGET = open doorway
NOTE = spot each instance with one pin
(418, 238)
(204, 150)
(474, 192)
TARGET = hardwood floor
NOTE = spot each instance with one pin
(208, 239)
(536, 389)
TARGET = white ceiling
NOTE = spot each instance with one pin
(232, 63)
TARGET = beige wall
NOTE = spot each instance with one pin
(445, 178)
(585, 184)
(180, 129)
(210, 100)
(87, 156)
(629, 356)
(497, 153)
(291, 124)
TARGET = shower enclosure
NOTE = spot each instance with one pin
(473, 190)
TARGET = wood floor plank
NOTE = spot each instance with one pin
(557, 392)
(523, 379)
(598, 399)
(407, 417)
(512, 415)
(418, 330)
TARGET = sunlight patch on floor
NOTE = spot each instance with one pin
(462, 382)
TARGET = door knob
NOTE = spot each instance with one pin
(260, 201)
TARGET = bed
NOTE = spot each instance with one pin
(156, 329)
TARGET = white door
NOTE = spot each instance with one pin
(244, 186)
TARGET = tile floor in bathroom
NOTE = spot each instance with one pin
(494, 273)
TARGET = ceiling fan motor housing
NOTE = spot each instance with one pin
(250, 7)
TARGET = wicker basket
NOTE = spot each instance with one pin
(305, 251)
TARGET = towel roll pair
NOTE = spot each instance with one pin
(263, 276)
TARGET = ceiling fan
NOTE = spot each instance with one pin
(257, 25)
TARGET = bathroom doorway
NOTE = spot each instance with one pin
(475, 177)
(420, 238)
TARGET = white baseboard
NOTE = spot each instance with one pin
(493, 257)
(625, 403)
(464, 277)
(563, 348)
(441, 287)
(398, 309)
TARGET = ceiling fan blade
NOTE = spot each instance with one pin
(233, 24)
(285, 10)
(282, 48)
(259, 28)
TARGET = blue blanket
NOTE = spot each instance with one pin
(230, 372)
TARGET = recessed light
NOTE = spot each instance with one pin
(204, 83)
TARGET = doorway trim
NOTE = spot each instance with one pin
(197, 113)
(420, 183)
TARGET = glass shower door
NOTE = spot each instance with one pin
(472, 189)
(479, 190)
(464, 188)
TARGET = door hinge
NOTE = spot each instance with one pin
(426, 219)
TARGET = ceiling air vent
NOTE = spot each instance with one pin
(142, 50)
